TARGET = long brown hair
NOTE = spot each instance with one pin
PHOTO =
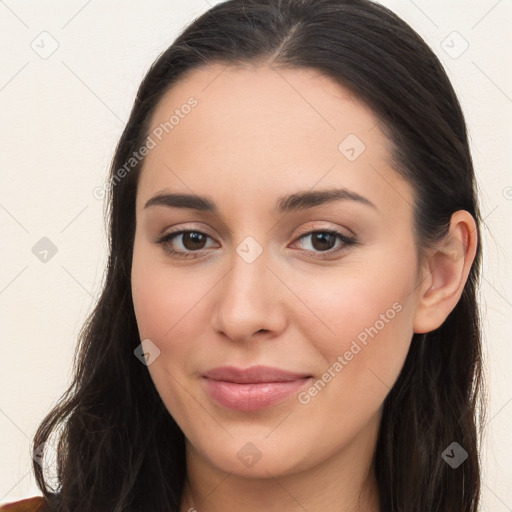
(119, 448)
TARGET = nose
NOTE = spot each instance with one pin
(249, 300)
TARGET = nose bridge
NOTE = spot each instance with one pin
(248, 277)
(249, 267)
(246, 300)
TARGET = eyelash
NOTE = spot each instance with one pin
(166, 239)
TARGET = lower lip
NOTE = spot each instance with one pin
(252, 397)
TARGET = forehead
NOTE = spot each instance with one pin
(260, 128)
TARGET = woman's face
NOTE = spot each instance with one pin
(257, 279)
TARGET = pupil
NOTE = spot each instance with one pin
(321, 237)
(195, 237)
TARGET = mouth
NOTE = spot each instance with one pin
(253, 375)
(253, 388)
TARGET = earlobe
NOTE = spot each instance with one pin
(446, 268)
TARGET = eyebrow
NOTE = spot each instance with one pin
(284, 204)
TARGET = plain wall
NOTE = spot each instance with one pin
(61, 117)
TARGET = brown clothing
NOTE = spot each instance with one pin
(34, 504)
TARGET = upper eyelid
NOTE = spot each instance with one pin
(302, 232)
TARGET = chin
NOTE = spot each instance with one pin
(255, 457)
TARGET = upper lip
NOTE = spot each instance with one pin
(254, 374)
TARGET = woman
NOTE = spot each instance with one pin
(236, 360)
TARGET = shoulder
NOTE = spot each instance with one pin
(34, 504)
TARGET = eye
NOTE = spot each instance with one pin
(194, 241)
(323, 240)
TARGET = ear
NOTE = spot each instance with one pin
(445, 270)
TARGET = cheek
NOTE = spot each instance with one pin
(362, 327)
(164, 299)
(170, 310)
(164, 308)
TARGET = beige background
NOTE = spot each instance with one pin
(61, 116)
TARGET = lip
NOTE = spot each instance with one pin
(252, 375)
(253, 388)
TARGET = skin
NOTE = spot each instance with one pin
(258, 133)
